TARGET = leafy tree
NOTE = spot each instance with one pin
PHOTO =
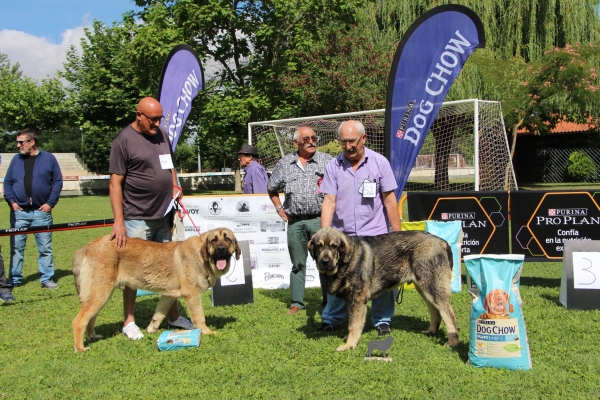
(24, 103)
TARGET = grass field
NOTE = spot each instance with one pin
(260, 352)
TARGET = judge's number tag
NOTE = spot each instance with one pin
(165, 161)
(369, 189)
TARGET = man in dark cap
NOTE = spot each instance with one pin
(255, 179)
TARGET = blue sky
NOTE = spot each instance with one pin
(37, 33)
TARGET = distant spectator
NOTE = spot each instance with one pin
(256, 179)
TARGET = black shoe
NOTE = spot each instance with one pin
(384, 330)
(325, 327)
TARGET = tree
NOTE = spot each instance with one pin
(25, 103)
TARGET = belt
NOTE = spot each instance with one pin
(305, 217)
(29, 208)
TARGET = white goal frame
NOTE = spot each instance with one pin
(489, 155)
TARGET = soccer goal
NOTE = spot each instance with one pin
(466, 148)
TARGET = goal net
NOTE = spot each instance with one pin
(466, 148)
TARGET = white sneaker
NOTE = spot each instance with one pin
(132, 331)
(182, 322)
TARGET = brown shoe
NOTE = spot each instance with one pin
(293, 310)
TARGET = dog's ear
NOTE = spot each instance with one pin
(238, 249)
(510, 306)
(204, 246)
(346, 250)
(311, 246)
(486, 302)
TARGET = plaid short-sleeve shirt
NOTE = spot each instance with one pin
(301, 187)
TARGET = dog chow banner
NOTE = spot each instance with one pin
(429, 57)
(543, 220)
(251, 218)
(181, 79)
(484, 217)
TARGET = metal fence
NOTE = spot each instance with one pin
(549, 165)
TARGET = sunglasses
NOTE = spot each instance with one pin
(21, 142)
(307, 139)
(153, 120)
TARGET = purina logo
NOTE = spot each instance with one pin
(460, 216)
(552, 212)
(404, 121)
(215, 208)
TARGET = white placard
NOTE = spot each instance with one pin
(235, 276)
(586, 270)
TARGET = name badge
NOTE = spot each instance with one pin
(165, 161)
(369, 189)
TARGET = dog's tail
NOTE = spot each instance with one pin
(78, 261)
(449, 253)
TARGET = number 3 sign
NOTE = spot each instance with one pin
(580, 283)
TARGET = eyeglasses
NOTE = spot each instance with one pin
(21, 142)
(153, 120)
(351, 142)
(307, 139)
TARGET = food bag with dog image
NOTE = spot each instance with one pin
(498, 336)
(175, 340)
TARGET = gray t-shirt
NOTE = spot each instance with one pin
(148, 188)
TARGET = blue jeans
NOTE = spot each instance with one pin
(156, 230)
(382, 310)
(25, 219)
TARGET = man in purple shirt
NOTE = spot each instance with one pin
(359, 201)
(255, 179)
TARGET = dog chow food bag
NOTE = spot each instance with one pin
(175, 340)
(451, 232)
(498, 336)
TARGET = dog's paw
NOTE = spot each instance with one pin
(345, 347)
(429, 332)
(84, 349)
(452, 340)
(208, 332)
(95, 337)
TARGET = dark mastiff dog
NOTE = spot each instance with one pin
(359, 268)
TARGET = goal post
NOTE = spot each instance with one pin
(466, 148)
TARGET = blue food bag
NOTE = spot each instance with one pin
(451, 232)
(498, 337)
(175, 340)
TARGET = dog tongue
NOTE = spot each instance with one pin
(221, 264)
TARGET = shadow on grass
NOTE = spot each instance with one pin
(58, 274)
(540, 282)
(554, 299)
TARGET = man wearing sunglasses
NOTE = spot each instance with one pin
(299, 176)
(32, 188)
(142, 185)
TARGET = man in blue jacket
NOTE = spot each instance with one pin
(32, 187)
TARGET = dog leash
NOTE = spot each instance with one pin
(400, 294)
(185, 212)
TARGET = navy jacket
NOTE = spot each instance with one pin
(46, 185)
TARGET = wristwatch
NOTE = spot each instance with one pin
(278, 208)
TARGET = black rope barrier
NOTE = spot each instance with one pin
(98, 223)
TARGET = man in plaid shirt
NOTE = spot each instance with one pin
(299, 176)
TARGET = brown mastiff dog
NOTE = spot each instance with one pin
(359, 268)
(174, 269)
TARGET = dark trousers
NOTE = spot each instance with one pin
(4, 286)
(298, 234)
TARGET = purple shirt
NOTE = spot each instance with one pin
(256, 179)
(354, 214)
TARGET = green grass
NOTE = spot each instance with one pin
(260, 352)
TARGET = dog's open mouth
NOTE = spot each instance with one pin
(221, 264)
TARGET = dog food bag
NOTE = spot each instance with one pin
(498, 335)
(451, 232)
(175, 340)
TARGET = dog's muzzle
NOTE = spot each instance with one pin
(221, 256)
